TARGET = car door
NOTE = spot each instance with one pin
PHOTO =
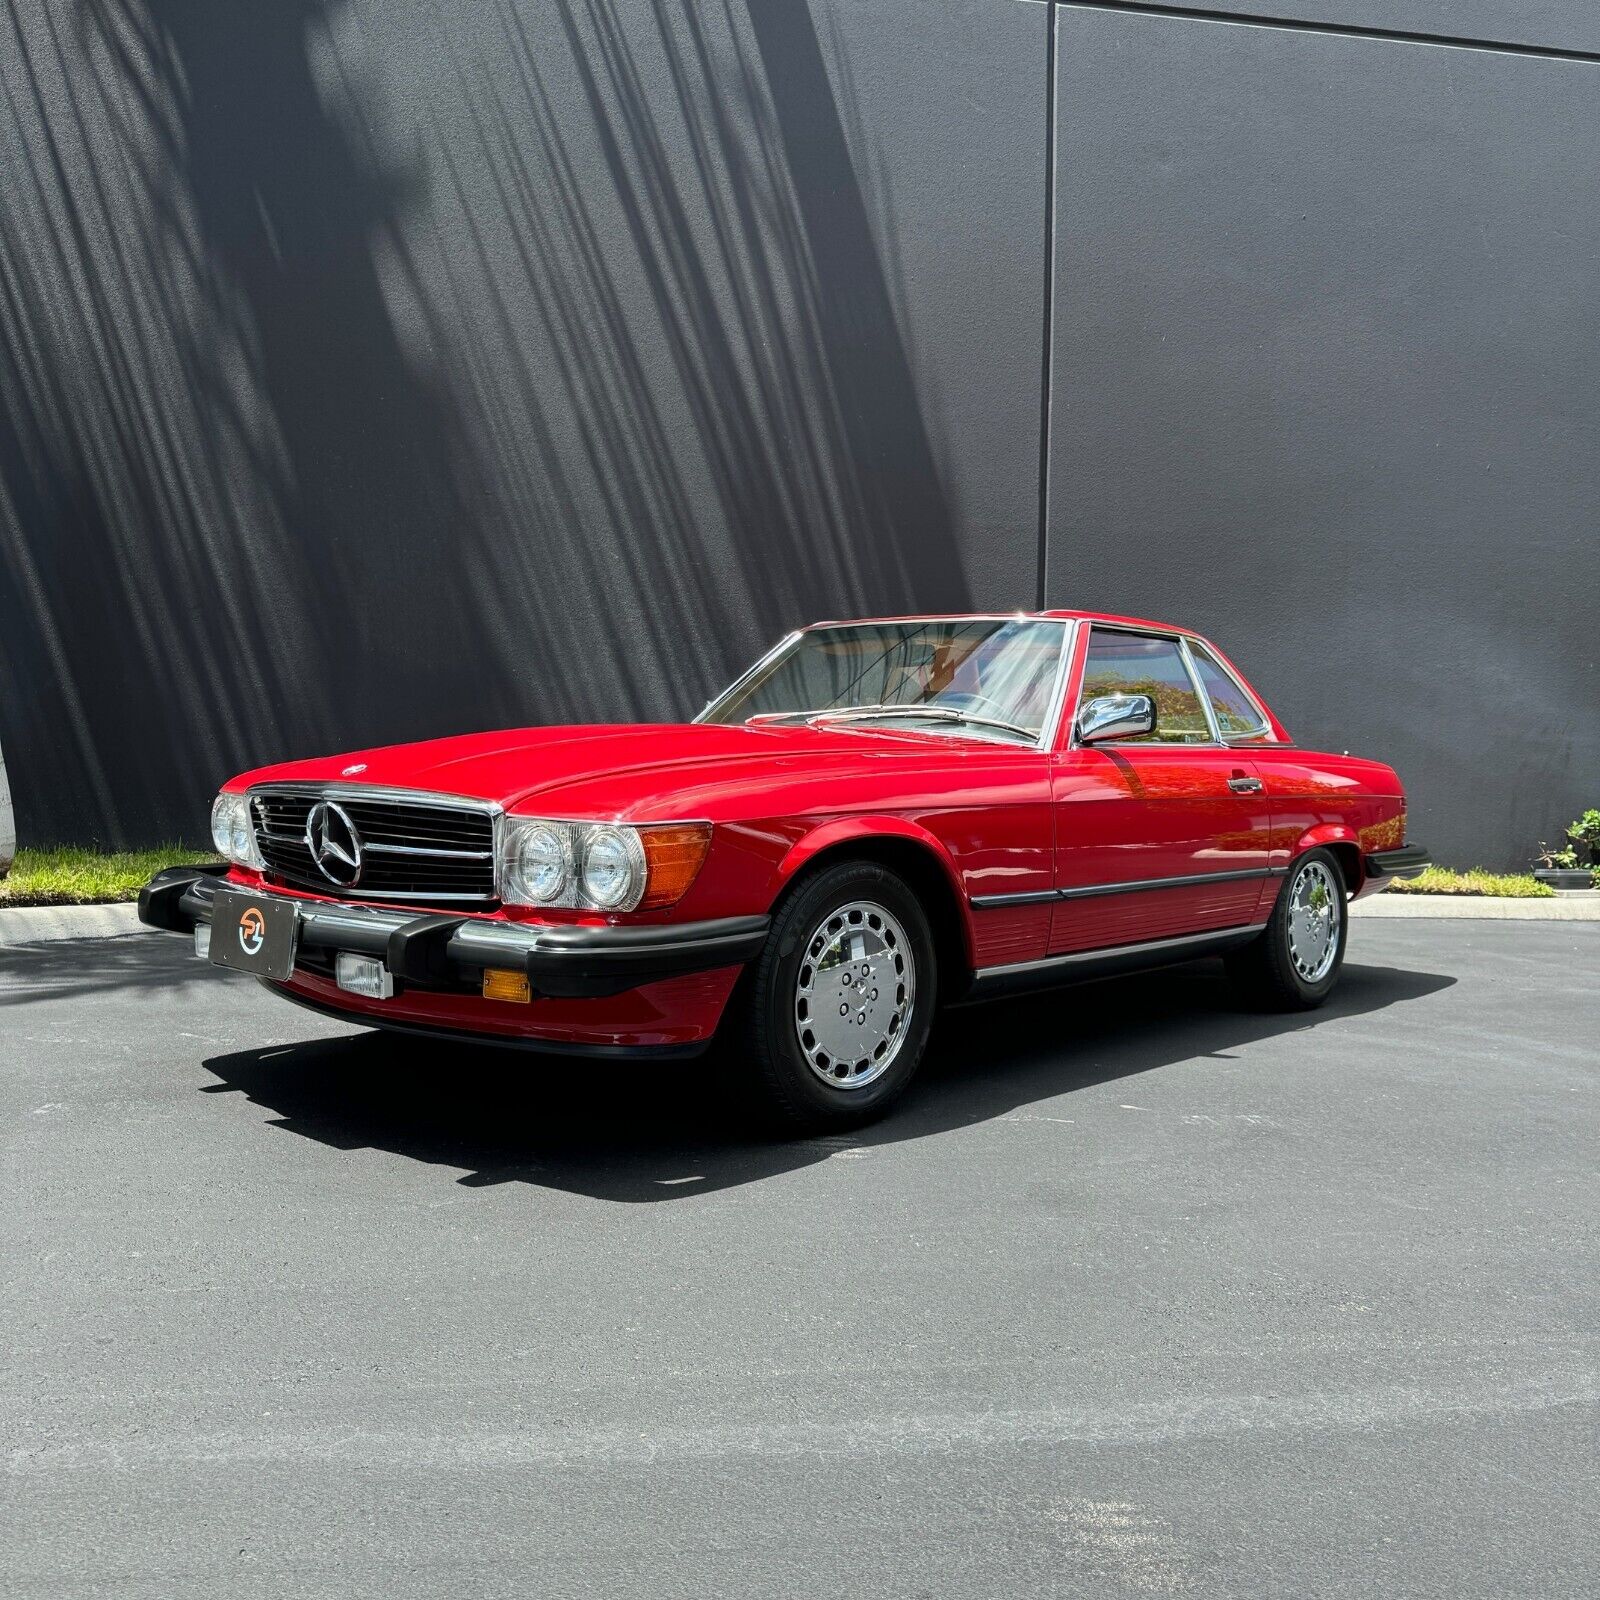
(1159, 836)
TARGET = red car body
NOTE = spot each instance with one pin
(1026, 859)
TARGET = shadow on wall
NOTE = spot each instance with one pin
(362, 375)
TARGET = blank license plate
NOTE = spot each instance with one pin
(252, 933)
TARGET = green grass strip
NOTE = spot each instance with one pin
(77, 877)
(1441, 880)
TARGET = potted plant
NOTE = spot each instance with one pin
(1575, 865)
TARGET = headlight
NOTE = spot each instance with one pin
(231, 831)
(613, 869)
(599, 866)
(537, 865)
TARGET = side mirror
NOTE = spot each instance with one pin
(1116, 716)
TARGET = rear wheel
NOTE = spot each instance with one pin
(836, 1013)
(1294, 963)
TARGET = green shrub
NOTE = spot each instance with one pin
(1585, 832)
(1441, 880)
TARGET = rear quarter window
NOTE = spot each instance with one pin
(1237, 714)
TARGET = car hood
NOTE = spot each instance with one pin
(615, 770)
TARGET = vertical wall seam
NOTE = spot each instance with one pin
(1049, 302)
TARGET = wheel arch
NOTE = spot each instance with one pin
(914, 855)
(1342, 843)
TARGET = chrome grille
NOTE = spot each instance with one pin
(415, 849)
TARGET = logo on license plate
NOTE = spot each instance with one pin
(252, 930)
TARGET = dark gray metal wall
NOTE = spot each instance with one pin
(372, 371)
(1326, 365)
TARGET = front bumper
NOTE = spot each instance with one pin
(441, 951)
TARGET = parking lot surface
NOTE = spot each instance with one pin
(1137, 1293)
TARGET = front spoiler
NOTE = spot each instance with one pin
(430, 949)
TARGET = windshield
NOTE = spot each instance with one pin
(984, 677)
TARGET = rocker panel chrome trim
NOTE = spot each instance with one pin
(1106, 960)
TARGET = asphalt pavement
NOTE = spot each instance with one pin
(1136, 1294)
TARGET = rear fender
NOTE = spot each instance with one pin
(1345, 843)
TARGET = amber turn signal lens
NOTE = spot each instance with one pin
(673, 853)
(500, 983)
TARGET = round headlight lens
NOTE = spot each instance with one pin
(540, 862)
(231, 832)
(222, 813)
(613, 868)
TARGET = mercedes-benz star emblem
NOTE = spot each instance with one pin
(334, 844)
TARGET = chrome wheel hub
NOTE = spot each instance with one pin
(853, 995)
(1316, 903)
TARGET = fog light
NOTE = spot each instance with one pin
(365, 975)
(501, 983)
(202, 940)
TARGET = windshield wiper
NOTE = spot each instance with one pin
(813, 714)
(934, 712)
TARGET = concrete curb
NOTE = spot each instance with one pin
(1581, 907)
(36, 924)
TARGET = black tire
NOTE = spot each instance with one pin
(764, 1047)
(1266, 970)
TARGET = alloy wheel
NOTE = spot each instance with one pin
(1316, 904)
(854, 994)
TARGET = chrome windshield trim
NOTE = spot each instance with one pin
(749, 672)
(1050, 734)
(1048, 730)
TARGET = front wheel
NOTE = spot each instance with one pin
(1293, 964)
(837, 1010)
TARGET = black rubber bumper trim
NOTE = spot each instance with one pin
(161, 900)
(1406, 862)
(419, 952)
(567, 962)
(574, 962)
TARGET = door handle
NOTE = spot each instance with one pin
(1244, 785)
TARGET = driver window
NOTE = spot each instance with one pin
(1138, 663)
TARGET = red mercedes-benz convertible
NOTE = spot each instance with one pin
(877, 818)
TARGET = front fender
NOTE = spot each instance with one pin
(844, 831)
